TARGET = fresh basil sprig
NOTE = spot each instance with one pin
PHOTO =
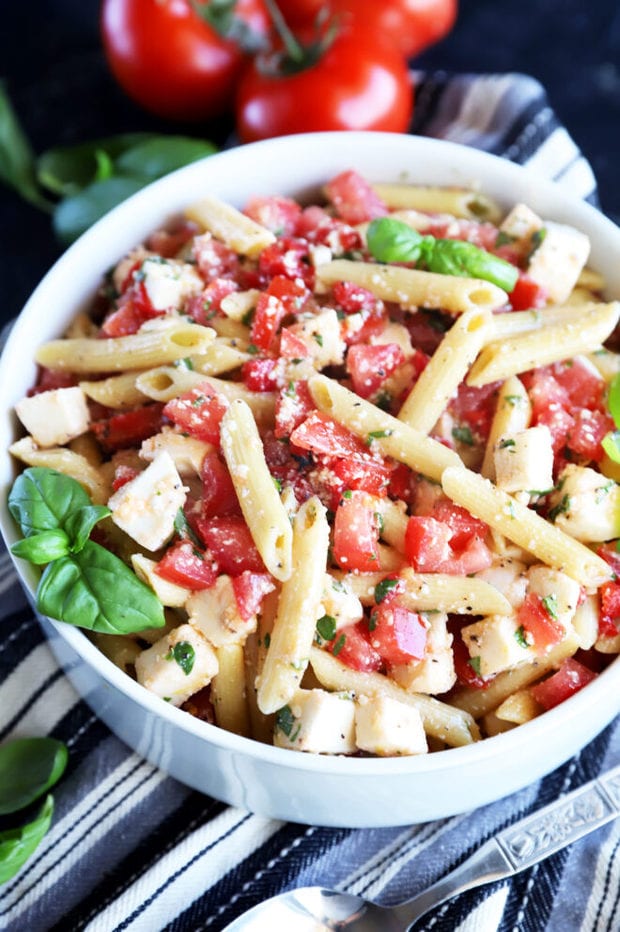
(85, 181)
(83, 583)
(611, 441)
(391, 240)
(29, 767)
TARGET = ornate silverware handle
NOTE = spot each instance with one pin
(562, 822)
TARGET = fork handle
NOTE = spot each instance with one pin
(525, 843)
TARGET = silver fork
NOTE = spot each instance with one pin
(537, 836)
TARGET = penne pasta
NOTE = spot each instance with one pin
(459, 202)
(230, 226)
(67, 462)
(117, 391)
(512, 413)
(228, 690)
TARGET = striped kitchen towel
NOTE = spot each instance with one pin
(132, 849)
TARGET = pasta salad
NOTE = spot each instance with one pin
(341, 477)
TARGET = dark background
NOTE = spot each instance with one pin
(53, 67)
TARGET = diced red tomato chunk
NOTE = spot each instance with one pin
(289, 257)
(208, 304)
(260, 374)
(250, 589)
(199, 412)
(569, 679)
(186, 565)
(128, 428)
(368, 475)
(356, 534)
(322, 434)
(281, 298)
(370, 365)
(278, 214)
(352, 647)
(293, 405)
(354, 198)
(436, 546)
(527, 294)
(586, 433)
(538, 622)
(229, 540)
(218, 492)
(397, 634)
(609, 614)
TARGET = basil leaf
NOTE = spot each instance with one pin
(16, 157)
(42, 548)
(613, 399)
(79, 524)
(184, 655)
(28, 768)
(42, 499)
(65, 170)
(391, 240)
(75, 214)
(17, 844)
(611, 445)
(94, 589)
(160, 155)
(455, 257)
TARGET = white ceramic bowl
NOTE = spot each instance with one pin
(271, 781)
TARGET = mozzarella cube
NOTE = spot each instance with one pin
(521, 223)
(146, 507)
(556, 263)
(54, 417)
(435, 673)
(560, 592)
(509, 577)
(388, 728)
(586, 504)
(340, 603)
(495, 644)
(177, 665)
(321, 334)
(318, 722)
(168, 283)
(186, 452)
(168, 593)
(524, 460)
(215, 613)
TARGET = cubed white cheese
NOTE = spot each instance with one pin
(168, 593)
(585, 622)
(215, 613)
(560, 592)
(586, 504)
(340, 603)
(388, 728)
(495, 644)
(145, 507)
(524, 460)
(186, 452)
(435, 673)
(394, 333)
(169, 283)
(177, 665)
(509, 576)
(54, 417)
(557, 262)
(521, 222)
(317, 721)
(321, 335)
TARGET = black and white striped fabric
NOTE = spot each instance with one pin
(132, 849)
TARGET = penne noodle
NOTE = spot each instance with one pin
(512, 413)
(509, 325)
(229, 225)
(298, 610)
(67, 462)
(412, 288)
(117, 391)
(258, 497)
(459, 202)
(228, 690)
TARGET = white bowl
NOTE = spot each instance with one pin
(274, 782)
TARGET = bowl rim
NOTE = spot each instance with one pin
(162, 192)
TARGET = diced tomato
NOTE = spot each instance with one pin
(128, 428)
(292, 345)
(527, 294)
(229, 540)
(402, 484)
(122, 475)
(369, 475)
(218, 492)
(260, 374)
(611, 554)
(398, 635)
(208, 304)
(356, 534)
(560, 424)
(472, 558)
(323, 435)
(293, 405)
(354, 199)
(538, 622)
(50, 379)
(278, 214)
(427, 329)
(586, 433)
(585, 388)
(133, 309)
(462, 524)
(187, 565)
(289, 257)
(465, 672)
(214, 259)
(199, 412)
(318, 226)
(250, 589)
(545, 390)
(281, 298)
(427, 543)
(569, 679)
(167, 243)
(370, 365)
(609, 614)
(475, 406)
(353, 298)
(352, 647)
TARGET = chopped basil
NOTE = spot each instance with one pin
(326, 628)
(347, 493)
(248, 317)
(339, 645)
(551, 605)
(319, 338)
(383, 588)
(377, 435)
(184, 529)
(474, 663)
(252, 349)
(286, 722)
(514, 399)
(504, 239)
(520, 637)
(561, 508)
(463, 434)
(184, 655)
(373, 621)
(503, 444)
(267, 640)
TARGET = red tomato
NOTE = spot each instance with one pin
(218, 492)
(260, 374)
(293, 405)
(427, 543)
(301, 12)
(462, 524)
(569, 679)
(369, 475)
(357, 84)
(356, 534)
(538, 622)
(609, 615)
(250, 589)
(170, 60)
(208, 304)
(409, 25)
(352, 647)
(279, 214)
(281, 297)
(128, 428)
(397, 634)
(370, 365)
(229, 540)
(353, 198)
(199, 412)
(586, 433)
(186, 565)
(434, 546)
(323, 435)
(287, 257)
(527, 294)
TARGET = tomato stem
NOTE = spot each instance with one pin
(294, 49)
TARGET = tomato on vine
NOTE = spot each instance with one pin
(410, 25)
(181, 59)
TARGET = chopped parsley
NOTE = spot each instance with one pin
(377, 435)
(326, 628)
(551, 606)
(474, 663)
(383, 588)
(184, 655)
(463, 434)
(287, 723)
(339, 645)
(561, 508)
(520, 637)
(503, 444)
(319, 338)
